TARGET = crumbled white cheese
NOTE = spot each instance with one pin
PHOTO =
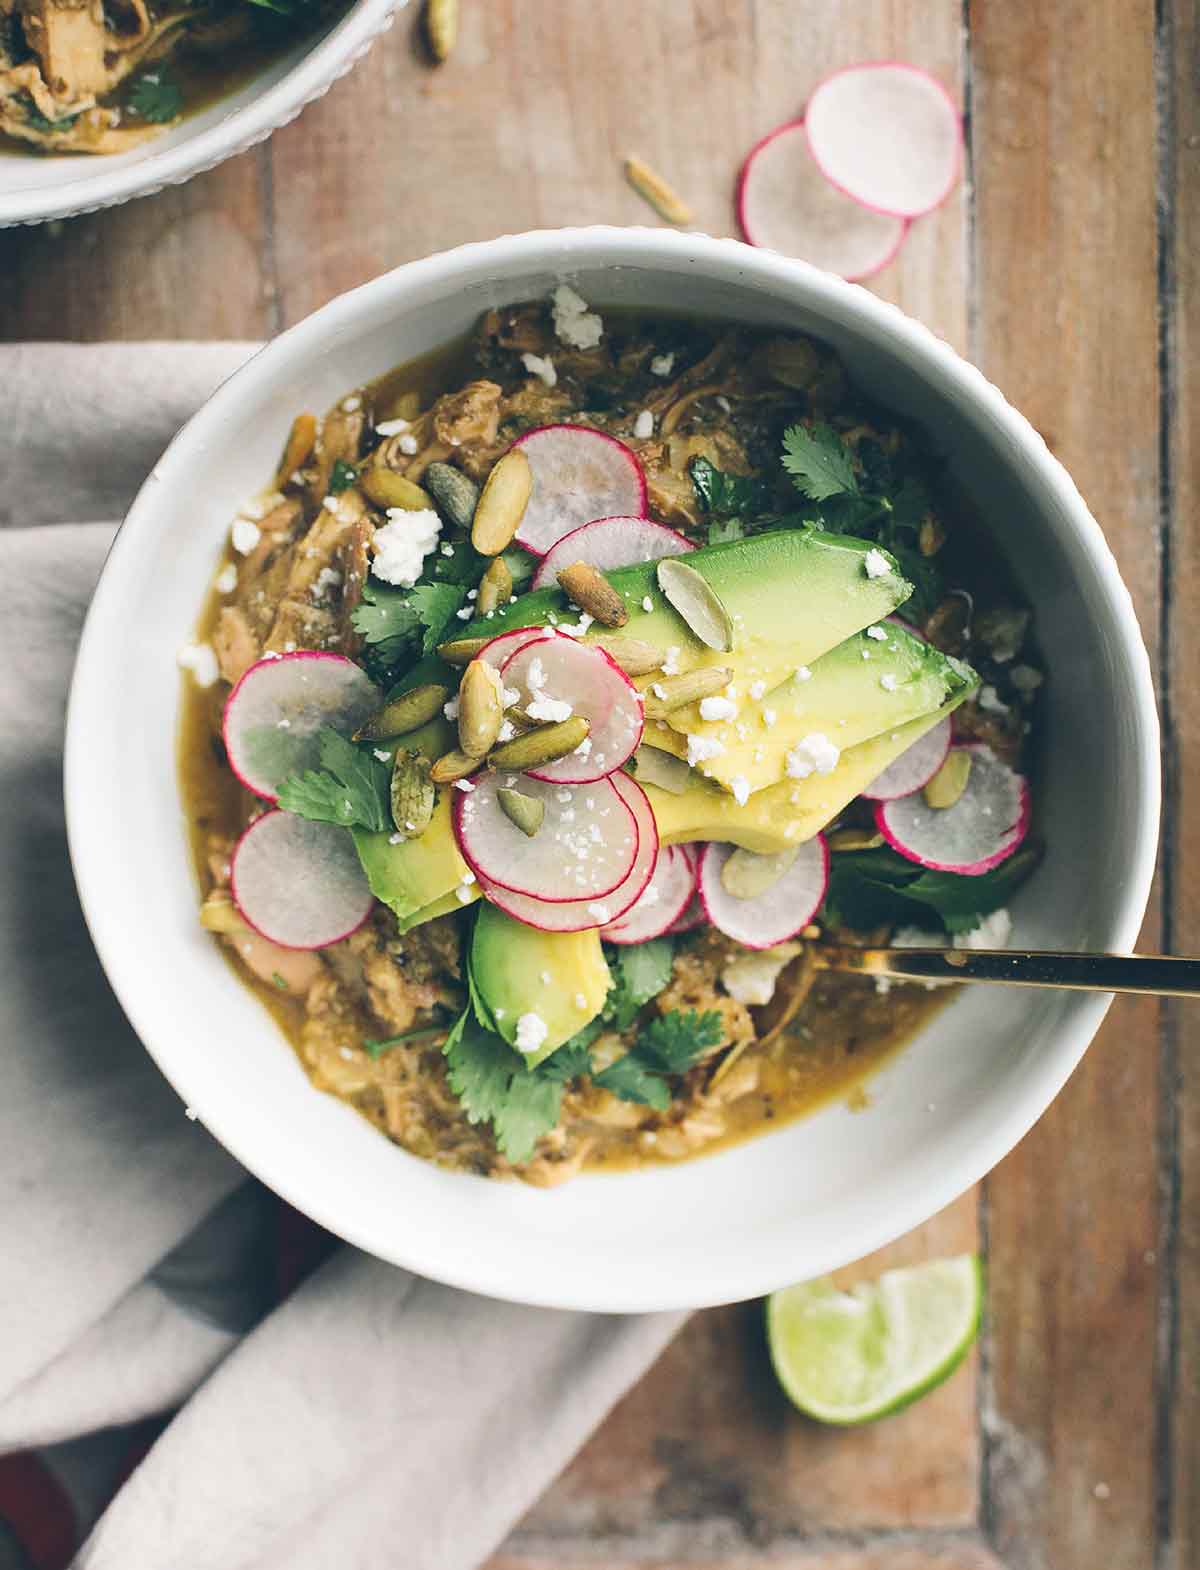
(812, 754)
(647, 603)
(643, 426)
(803, 673)
(599, 910)
(552, 710)
(1025, 679)
(506, 732)
(407, 445)
(391, 427)
(463, 893)
(395, 839)
(662, 365)
(331, 504)
(769, 717)
(577, 629)
(876, 564)
(403, 543)
(468, 876)
(352, 404)
(328, 578)
(584, 748)
(718, 709)
(226, 582)
(259, 506)
(740, 787)
(545, 978)
(991, 702)
(757, 689)
(201, 661)
(541, 366)
(574, 324)
(580, 1001)
(888, 682)
(382, 754)
(877, 633)
(751, 977)
(701, 748)
(993, 932)
(244, 536)
(466, 786)
(670, 664)
(465, 614)
(447, 550)
(450, 710)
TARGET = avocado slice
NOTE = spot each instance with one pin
(446, 906)
(792, 811)
(561, 977)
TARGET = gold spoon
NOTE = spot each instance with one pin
(1147, 973)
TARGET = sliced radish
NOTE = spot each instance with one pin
(275, 712)
(585, 848)
(982, 829)
(610, 542)
(915, 767)
(661, 902)
(888, 135)
(785, 203)
(577, 915)
(774, 915)
(300, 884)
(561, 671)
(506, 644)
(578, 475)
(693, 916)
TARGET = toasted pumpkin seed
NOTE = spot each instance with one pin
(413, 794)
(635, 656)
(480, 712)
(302, 438)
(526, 812)
(455, 493)
(697, 602)
(931, 537)
(853, 839)
(502, 504)
(542, 745)
(410, 710)
(494, 587)
(948, 784)
(593, 593)
(793, 362)
(747, 874)
(650, 185)
(452, 766)
(949, 625)
(461, 651)
(673, 692)
(386, 489)
(652, 766)
(441, 27)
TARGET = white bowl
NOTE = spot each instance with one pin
(782, 1207)
(34, 188)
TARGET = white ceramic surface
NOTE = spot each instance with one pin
(35, 188)
(787, 1206)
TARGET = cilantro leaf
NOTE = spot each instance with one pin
(352, 787)
(39, 121)
(342, 477)
(640, 972)
(630, 1080)
(435, 605)
(669, 1044)
(927, 580)
(494, 1086)
(818, 462)
(726, 495)
(156, 98)
(573, 1058)
(385, 618)
(873, 888)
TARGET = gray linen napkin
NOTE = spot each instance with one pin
(374, 1418)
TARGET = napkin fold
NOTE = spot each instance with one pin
(371, 1418)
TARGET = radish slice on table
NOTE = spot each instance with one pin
(780, 911)
(557, 678)
(661, 902)
(299, 884)
(576, 915)
(982, 829)
(610, 542)
(585, 848)
(785, 203)
(274, 713)
(915, 767)
(888, 135)
(578, 475)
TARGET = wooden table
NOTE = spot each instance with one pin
(1067, 266)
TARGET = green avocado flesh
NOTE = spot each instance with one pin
(561, 977)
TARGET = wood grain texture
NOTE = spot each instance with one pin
(1065, 193)
(924, 1551)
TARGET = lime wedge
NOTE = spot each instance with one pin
(850, 1357)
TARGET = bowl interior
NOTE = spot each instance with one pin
(783, 1207)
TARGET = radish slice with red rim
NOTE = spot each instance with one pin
(915, 766)
(578, 475)
(298, 883)
(982, 829)
(274, 714)
(693, 916)
(776, 914)
(785, 203)
(585, 848)
(506, 644)
(559, 677)
(607, 543)
(660, 903)
(888, 135)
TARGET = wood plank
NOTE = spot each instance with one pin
(928, 1551)
(1066, 304)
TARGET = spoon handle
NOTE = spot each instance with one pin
(1151, 973)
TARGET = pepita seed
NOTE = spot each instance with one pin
(441, 27)
(697, 602)
(635, 656)
(746, 874)
(593, 593)
(526, 812)
(408, 712)
(648, 183)
(793, 362)
(302, 438)
(494, 587)
(452, 766)
(652, 766)
(480, 712)
(931, 537)
(948, 784)
(673, 692)
(543, 745)
(413, 794)
(461, 651)
(387, 489)
(455, 493)
(853, 839)
(502, 504)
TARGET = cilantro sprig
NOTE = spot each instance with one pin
(493, 1085)
(156, 98)
(873, 888)
(351, 787)
(670, 1044)
(341, 477)
(395, 621)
